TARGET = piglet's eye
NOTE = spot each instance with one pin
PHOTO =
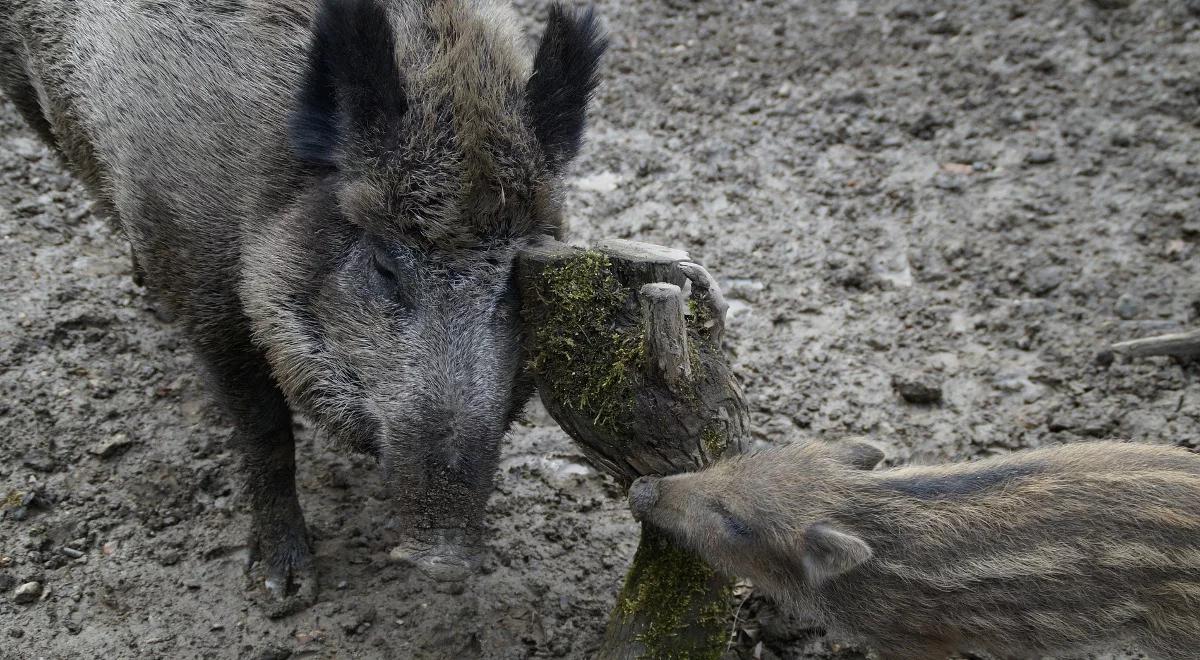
(733, 524)
(736, 527)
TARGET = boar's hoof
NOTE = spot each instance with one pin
(283, 577)
(445, 559)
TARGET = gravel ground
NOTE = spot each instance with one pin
(956, 197)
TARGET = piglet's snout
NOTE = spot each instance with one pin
(643, 495)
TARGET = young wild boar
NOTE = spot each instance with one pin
(1040, 552)
(330, 199)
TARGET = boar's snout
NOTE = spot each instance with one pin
(445, 555)
(643, 495)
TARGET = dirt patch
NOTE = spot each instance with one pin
(973, 196)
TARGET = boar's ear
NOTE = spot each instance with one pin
(829, 553)
(856, 453)
(352, 81)
(564, 78)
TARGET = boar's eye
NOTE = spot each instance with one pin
(387, 276)
(384, 266)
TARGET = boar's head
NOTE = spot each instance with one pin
(427, 151)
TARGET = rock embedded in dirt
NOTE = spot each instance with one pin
(39, 460)
(921, 389)
(1040, 157)
(27, 593)
(1128, 306)
(112, 446)
(273, 653)
(941, 24)
(1043, 281)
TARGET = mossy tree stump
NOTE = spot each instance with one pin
(624, 341)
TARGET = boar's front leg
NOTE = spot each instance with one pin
(280, 546)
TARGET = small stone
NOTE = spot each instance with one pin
(27, 207)
(1128, 306)
(948, 182)
(1040, 157)
(39, 461)
(1044, 280)
(112, 446)
(273, 653)
(26, 148)
(71, 552)
(27, 593)
(917, 389)
(16, 633)
(941, 24)
(1045, 66)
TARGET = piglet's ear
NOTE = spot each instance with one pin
(564, 78)
(829, 552)
(857, 454)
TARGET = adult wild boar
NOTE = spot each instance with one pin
(329, 197)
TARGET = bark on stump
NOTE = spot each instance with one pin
(624, 342)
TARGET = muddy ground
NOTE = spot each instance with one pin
(976, 195)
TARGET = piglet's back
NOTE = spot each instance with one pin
(1036, 551)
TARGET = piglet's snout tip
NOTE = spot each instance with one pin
(643, 495)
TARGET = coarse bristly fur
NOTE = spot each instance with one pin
(330, 197)
(1040, 552)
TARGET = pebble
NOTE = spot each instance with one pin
(40, 461)
(26, 148)
(941, 24)
(273, 653)
(917, 389)
(112, 446)
(27, 593)
(1128, 307)
(1040, 157)
(1044, 280)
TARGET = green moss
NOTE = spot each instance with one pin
(580, 354)
(681, 599)
(12, 499)
(699, 315)
(715, 440)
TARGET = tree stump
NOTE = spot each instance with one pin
(624, 342)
